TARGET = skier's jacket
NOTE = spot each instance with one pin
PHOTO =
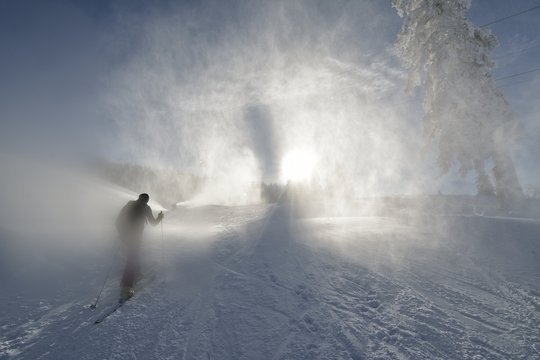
(132, 218)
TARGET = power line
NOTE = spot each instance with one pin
(518, 74)
(511, 16)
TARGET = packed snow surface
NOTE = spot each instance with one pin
(259, 282)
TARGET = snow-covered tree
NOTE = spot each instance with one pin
(466, 116)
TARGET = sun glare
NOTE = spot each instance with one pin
(297, 166)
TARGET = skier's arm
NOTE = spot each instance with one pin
(150, 216)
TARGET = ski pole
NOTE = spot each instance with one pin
(162, 245)
(93, 306)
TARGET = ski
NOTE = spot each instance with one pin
(147, 279)
(109, 312)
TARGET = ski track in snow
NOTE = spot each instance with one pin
(272, 287)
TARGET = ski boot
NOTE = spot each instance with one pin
(126, 293)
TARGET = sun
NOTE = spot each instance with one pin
(298, 166)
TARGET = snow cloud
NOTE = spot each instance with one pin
(229, 91)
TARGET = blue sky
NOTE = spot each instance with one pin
(60, 58)
(519, 51)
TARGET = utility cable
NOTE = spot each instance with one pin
(518, 74)
(510, 16)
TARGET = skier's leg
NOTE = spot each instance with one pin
(138, 275)
(136, 256)
(128, 278)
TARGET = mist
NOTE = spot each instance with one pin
(265, 79)
(314, 170)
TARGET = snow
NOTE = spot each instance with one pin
(256, 282)
(467, 117)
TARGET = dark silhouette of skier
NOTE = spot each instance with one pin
(130, 225)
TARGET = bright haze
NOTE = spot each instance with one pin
(240, 92)
(305, 217)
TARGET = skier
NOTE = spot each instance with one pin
(130, 225)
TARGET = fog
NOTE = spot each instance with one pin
(309, 95)
(306, 215)
(228, 92)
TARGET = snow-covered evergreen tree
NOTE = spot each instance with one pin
(466, 116)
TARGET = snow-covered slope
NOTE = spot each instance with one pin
(254, 282)
(56, 238)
